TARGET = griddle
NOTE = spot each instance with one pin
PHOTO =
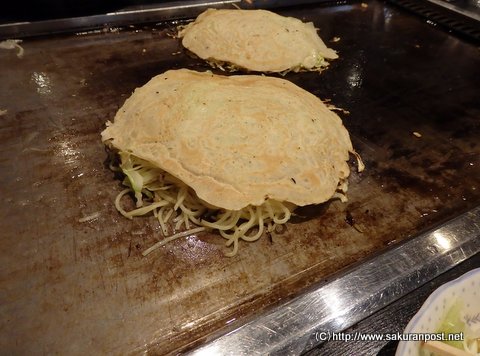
(71, 287)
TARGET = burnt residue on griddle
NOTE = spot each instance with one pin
(403, 179)
(404, 152)
(457, 161)
(269, 235)
(351, 221)
(349, 218)
(309, 212)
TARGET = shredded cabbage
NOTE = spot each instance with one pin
(453, 324)
(175, 204)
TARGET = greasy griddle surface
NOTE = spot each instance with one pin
(79, 288)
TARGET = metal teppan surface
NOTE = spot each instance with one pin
(309, 319)
(72, 277)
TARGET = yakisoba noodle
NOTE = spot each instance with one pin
(230, 154)
(177, 207)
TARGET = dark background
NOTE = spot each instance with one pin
(35, 10)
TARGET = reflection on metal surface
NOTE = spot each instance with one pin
(42, 81)
(68, 153)
(387, 15)
(355, 76)
(155, 8)
(212, 351)
(340, 303)
(442, 240)
(334, 304)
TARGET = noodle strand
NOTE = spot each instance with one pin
(168, 197)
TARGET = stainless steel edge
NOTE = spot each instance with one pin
(167, 11)
(295, 327)
(457, 9)
(163, 12)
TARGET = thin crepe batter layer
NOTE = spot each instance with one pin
(239, 151)
(256, 40)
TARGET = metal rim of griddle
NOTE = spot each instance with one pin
(162, 12)
(464, 22)
(165, 12)
(461, 21)
(299, 325)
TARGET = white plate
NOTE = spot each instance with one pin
(432, 312)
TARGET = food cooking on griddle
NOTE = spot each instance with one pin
(235, 154)
(256, 40)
